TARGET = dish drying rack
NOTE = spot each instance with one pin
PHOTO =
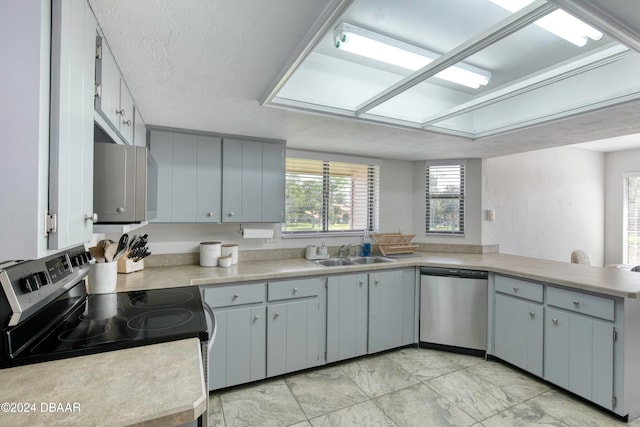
(394, 243)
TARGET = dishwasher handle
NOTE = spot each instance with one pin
(453, 272)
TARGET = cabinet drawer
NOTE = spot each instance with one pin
(224, 296)
(293, 289)
(591, 305)
(519, 288)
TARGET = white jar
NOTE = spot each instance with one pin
(231, 249)
(209, 253)
(103, 277)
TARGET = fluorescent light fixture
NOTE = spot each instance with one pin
(376, 46)
(558, 22)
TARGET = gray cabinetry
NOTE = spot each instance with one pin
(189, 173)
(139, 130)
(391, 309)
(294, 325)
(347, 316)
(253, 175)
(579, 352)
(239, 350)
(518, 315)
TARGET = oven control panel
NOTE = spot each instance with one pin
(30, 285)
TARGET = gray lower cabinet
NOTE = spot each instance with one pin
(347, 316)
(578, 355)
(391, 309)
(238, 354)
(294, 325)
(518, 317)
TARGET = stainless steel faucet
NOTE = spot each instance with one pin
(353, 246)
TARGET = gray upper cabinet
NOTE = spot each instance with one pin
(139, 130)
(253, 181)
(189, 174)
(71, 134)
(113, 99)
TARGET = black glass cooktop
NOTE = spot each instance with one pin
(114, 321)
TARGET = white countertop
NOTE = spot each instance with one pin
(608, 281)
(154, 385)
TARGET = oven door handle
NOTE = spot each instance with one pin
(212, 316)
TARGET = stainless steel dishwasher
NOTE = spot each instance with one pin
(453, 309)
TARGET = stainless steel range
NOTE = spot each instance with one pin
(46, 313)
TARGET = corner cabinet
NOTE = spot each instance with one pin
(571, 338)
(253, 181)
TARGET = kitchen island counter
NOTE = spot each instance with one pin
(608, 281)
(160, 384)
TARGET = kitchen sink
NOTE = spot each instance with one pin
(371, 260)
(335, 262)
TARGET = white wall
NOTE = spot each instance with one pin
(396, 192)
(547, 203)
(616, 163)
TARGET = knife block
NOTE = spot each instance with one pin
(126, 265)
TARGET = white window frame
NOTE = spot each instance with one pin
(462, 197)
(625, 215)
(329, 157)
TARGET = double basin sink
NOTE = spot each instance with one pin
(336, 262)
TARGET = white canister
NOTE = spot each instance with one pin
(103, 277)
(209, 253)
(231, 249)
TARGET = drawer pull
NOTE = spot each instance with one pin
(555, 321)
(532, 314)
(295, 290)
(576, 303)
(277, 314)
(236, 296)
(515, 289)
(360, 283)
(256, 317)
(375, 282)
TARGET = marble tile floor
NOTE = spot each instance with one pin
(406, 387)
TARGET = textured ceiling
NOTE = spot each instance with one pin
(204, 64)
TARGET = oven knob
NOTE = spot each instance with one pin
(31, 283)
(41, 278)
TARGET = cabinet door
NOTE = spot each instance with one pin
(251, 182)
(409, 318)
(161, 146)
(293, 330)
(518, 333)
(556, 347)
(385, 311)
(109, 77)
(273, 182)
(347, 316)
(238, 354)
(232, 181)
(183, 179)
(126, 116)
(71, 133)
(208, 179)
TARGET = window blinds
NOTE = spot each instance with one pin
(445, 199)
(631, 212)
(329, 196)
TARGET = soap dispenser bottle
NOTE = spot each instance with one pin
(366, 244)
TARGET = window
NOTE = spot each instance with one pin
(330, 197)
(631, 221)
(445, 199)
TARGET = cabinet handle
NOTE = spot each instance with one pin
(210, 214)
(236, 296)
(360, 283)
(576, 303)
(126, 122)
(93, 217)
(256, 317)
(515, 289)
(230, 214)
(532, 314)
(120, 112)
(277, 314)
(555, 321)
(295, 290)
(120, 209)
(375, 282)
